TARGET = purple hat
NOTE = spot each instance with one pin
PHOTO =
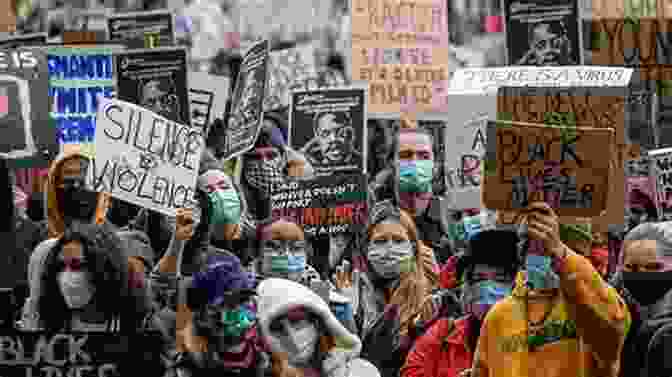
(223, 280)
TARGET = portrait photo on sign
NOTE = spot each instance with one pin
(328, 127)
(550, 29)
(159, 95)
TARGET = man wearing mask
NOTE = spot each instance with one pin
(571, 320)
(446, 349)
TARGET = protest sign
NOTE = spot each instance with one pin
(329, 127)
(207, 97)
(8, 16)
(550, 28)
(156, 79)
(466, 136)
(401, 50)
(289, 69)
(78, 78)
(24, 40)
(146, 159)
(28, 139)
(324, 205)
(532, 161)
(246, 104)
(491, 79)
(142, 29)
(662, 166)
(640, 185)
(104, 354)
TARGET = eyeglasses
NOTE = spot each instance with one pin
(276, 246)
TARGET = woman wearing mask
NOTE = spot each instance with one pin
(446, 349)
(644, 278)
(221, 336)
(391, 288)
(304, 337)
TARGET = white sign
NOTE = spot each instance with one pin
(146, 159)
(207, 96)
(490, 79)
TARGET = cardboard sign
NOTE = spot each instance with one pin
(79, 354)
(543, 162)
(8, 16)
(325, 205)
(79, 37)
(142, 29)
(466, 136)
(491, 79)
(146, 159)
(207, 97)
(662, 167)
(25, 130)
(78, 78)
(24, 40)
(401, 50)
(247, 116)
(155, 79)
(329, 127)
(289, 69)
(548, 29)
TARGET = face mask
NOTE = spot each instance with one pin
(225, 206)
(415, 175)
(300, 343)
(647, 287)
(264, 174)
(389, 260)
(285, 263)
(236, 322)
(76, 288)
(478, 298)
(78, 204)
(540, 274)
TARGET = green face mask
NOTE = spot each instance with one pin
(225, 207)
(415, 175)
(236, 322)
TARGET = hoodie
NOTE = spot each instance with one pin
(585, 325)
(276, 297)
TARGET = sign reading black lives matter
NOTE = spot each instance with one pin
(246, 116)
(28, 138)
(142, 29)
(329, 127)
(550, 29)
(146, 159)
(155, 79)
(323, 205)
(24, 40)
(38, 354)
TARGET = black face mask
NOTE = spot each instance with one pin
(77, 203)
(647, 287)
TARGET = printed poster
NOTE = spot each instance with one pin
(78, 78)
(543, 32)
(155, 79)
(545, 162)
(405, 58)
(328, 127)
(247, 116)
(640, 186)
(662, 166)
(207, 98)
(146, 159)
(24, 40)
(142, 29)
(28, 138)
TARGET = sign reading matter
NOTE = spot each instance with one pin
(146, 159)
(142, 29)
(324, 205)
(535, 162)
(663, 173)
(401, 49)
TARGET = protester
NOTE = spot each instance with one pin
(393, 286)
(302, 334)
(643, 278)
(640, 208)
(573, 320)
(489, 269)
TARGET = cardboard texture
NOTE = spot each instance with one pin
(563, 166)
(8, 16)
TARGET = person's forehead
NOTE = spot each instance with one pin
(388, 228)
(412, 138)
(640, 249)
(282, 231)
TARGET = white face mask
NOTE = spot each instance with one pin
(390, 259)
(299, 340)
(76, 288)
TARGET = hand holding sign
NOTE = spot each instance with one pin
(184, 225)
(543, 225)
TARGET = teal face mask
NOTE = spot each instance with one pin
(236, 322)
(540, 274)
(225, 207)
(287, 263)
(415, 175)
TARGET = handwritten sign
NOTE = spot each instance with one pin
(490, 79)
(289, 69)
(401, 49)
(146, 159)
(325, 205)
(662, 167)
(541, 161)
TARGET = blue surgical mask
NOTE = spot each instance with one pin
(479, 297)
(415, 175)
(540, 274)
(286, 263)
(225, 207)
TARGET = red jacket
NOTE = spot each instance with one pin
(441, 351)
